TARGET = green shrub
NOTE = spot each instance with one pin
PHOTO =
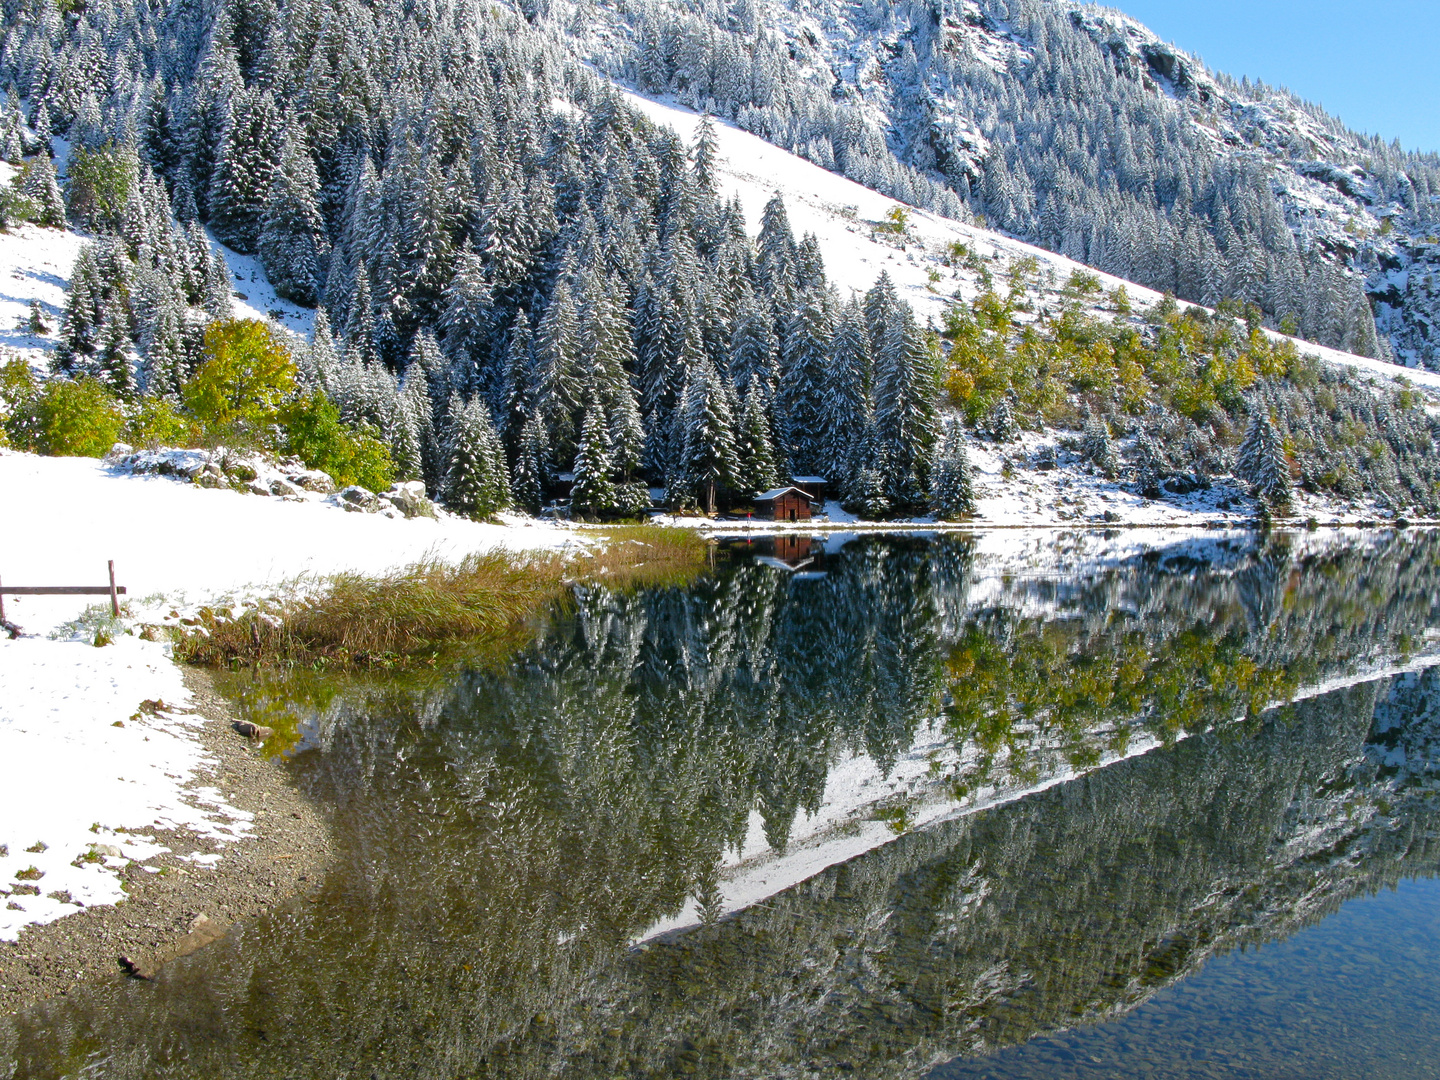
(98, 184)
(62, 418)
(16, 208)
(246, 376)
(315, 434)
(156, 422)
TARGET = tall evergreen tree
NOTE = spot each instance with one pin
(906, 406)
(593, 492)
(952, 486)
(1261, 459)
(293, 244)
(754, 445)
(708, 456)
(528, 477)
(476, 480)
(244, 168)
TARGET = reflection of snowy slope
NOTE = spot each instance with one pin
(866, 807)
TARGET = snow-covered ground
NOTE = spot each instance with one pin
(86, 774)
(182, 544)
(84, 771)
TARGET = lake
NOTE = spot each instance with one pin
(1009, 804)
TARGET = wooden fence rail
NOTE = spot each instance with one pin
(112, 590)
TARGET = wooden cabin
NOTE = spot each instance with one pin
(783, 504)
(814, 486)
(559, 488)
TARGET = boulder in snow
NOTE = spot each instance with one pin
(311, 480)
(210, 476)
(186, 464)
(284, 488)
(244, 469)
(358, 499)
(409, 498)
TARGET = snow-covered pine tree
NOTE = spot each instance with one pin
(906, 410)
(800, 397)
(868, 497)
(476, 481)
(952, 487)
(163, 346)
(519, 396)
(775, 258)
(528, 477)
(219, 291)
(593, 492)
(419, 407)
(754, 445)
(1000, 423)
(39, 183)
(114, 362)
(754, 349)
(79, 325)
(845, 403)
(707, 457)
(559, 388)
(402, 435)
(243, 171)
(293, 244)
(1148, 463)
(706, 155)
(467, 326)
(1261, 460)
(1096, 446)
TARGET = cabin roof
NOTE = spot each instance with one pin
(775, 493)
(808, 480)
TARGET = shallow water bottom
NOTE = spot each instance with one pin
(1357, 995)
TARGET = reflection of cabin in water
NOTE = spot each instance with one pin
(793, 550)
(783, 504)
(803, 556)
(814, 486)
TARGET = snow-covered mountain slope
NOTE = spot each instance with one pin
(1072, 125)
(848, 220)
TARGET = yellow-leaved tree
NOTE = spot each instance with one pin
(247, 374)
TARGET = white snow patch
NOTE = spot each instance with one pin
(73, 783)
(180, 543)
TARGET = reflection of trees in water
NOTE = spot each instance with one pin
(504, 833)
(1069, 905)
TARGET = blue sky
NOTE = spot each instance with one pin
(1372, 62)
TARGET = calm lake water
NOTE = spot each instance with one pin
(1007, 805)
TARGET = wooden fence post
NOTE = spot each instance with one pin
(114, 600)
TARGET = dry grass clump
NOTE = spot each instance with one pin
(482, 605)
